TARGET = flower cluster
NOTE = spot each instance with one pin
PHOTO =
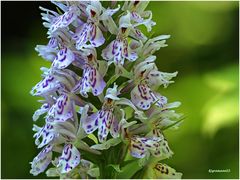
(87, 106)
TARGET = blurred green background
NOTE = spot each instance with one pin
(204, 50)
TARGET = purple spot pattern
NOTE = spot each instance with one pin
(46, 134)
(42, 160)
(140, 146)
(118, 50)
(62, 110)
(44, 108)
(143, 97)
(53, 43)
(69, 159)
(136, 17)
(65, 19)
(104, 121)
(47, 85)
(63, 59)
(91, 80)
(44, 152)
(89, 32)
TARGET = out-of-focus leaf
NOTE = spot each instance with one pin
(129, 170)
(116, 167)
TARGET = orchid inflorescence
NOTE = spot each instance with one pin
(104, 114)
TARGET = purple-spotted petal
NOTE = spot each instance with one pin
(136, 17)
(47, 85)
(160, 78)
(114, 52)
(105, 118)
(90, 124)
(128, 53)
(96, 37)
(63, 59)
(161, 100)
(62, 110)
(91, 81)
(119, 52)
(157, 146)
(137, 34)
(137, 148)
(102, 120)
(82, 36)
(69, 159)
(142, 96)
(44, 108)
(108, 52)
(41, 161)
(114, 128)
(65, 19)
(53, 43)
(132, 55)
(46, 134)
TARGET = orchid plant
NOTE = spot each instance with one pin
(104, 116)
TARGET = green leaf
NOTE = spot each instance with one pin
(171, 125)
(93, 137)
(129, 170)
(103, 67)
(112, 79)
(94, 172)
(116, 167)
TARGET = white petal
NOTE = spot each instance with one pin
(41, 161)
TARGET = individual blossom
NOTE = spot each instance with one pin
(105, 120)
(65, 19)
(55, 80)
(147, 77)
(138, 13)
(164, 117)
(69, 159)
(152, 45)
(119, 49)
(144, 146)
(90, 30)
(138, 16)
(92, 80)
